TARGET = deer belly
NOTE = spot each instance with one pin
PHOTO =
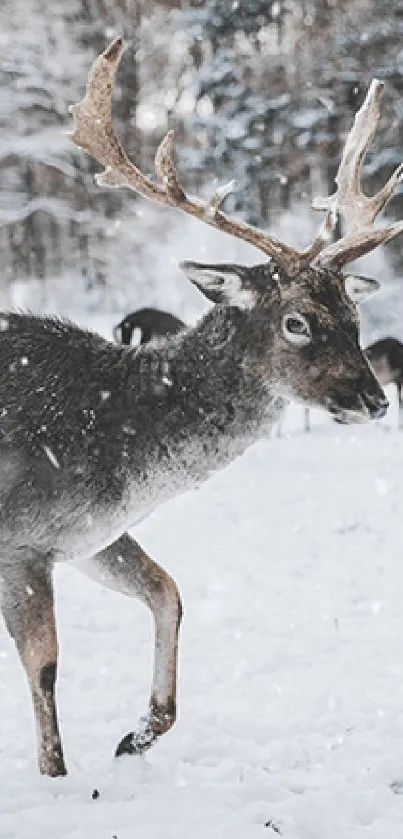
(95, 530)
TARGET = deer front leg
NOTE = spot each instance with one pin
(27, 608)
(126, 568)
(400, 404)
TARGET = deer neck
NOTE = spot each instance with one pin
(200, 399)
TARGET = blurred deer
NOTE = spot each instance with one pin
(386, 359)
(94, 436)
(147, 324)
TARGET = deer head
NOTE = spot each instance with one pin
(299, 307)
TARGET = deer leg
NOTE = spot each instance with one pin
(126, 568)
(27, 608)
(307, 425)
(400, 404)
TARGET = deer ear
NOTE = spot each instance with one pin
(221, 283)
(359, 288)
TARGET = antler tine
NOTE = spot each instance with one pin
(219, 196)
(94, 132)
(358, 211)
(322, 238)
(166, 169)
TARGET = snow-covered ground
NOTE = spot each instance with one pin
(291, 664)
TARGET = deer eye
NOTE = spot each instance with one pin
(295, 329)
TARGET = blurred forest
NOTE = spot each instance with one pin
(262, 91)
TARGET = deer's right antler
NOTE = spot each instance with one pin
(357, 210)
(94, 132)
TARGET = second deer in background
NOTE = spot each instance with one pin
(386, 359)
(149, 323)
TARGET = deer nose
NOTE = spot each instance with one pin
(376, 405)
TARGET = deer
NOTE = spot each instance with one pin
(147, 324)
(94, 436)
(386, 359)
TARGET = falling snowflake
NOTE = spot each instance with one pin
(52, 457)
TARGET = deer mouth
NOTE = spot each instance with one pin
(367, 407)
(347, 416)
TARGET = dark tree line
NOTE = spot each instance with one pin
(258, 90)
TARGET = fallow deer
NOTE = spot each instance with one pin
(149, 324)
(386, 359)
(93, 436)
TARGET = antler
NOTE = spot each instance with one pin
(358, 210)
(94, 132)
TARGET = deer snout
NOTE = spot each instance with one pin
(360, 404)
(375, 405)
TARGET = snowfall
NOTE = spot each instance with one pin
(290, 716)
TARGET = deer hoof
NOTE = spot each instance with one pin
(155, 723)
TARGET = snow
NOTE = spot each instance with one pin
(291, 661)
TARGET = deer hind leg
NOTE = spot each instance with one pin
(126, 568)
(27, 608)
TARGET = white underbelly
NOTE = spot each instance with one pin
(185, 470)
(96, 532)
